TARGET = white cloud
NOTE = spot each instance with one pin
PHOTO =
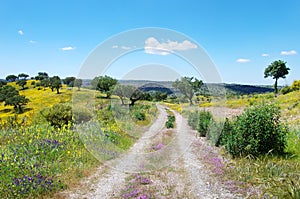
(115, 46)
(20, 32)
(291, 52)
(125, 47)
(241, 60)
(265, 55)
(67, 48)
(32, 42)
(153, 46)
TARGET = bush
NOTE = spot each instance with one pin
(193, 119)
(170, 121)
(204, 120)
(257, 131)
(59, 115)
(286, 90)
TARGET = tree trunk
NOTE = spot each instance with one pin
(122, 100)
(57, 90)
(275, 86)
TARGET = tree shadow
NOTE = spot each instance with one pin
(6, 110)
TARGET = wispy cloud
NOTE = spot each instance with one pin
(115, 46)
(20, 32)
(242, 60)
(291, 52)
(68, 48)
(125, 47)
(32, 41)
(265, 55)
(153, 46)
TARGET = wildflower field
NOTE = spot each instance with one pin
(38, 160)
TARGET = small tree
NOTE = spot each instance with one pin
(11, 78)
(41, 76)
(23, 76)
(55, 83)
(124, 91)
(276, 69)
(10, 96)
(188, 86)
(78, 83)
(22, 83)
(69, 81)
(106, 85)
(136, 95)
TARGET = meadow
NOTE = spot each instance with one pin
(38, 160)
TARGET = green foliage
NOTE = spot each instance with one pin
(276, 69)
(204, 121)
(40, 160)
(106, 85)
(139, 115)
(59, 115)
(78, 83)
(286, 90)
(69, 81)
(22, 83)
(257, 131)
(55, 83)
(170, 121)
(124, 91)
(193, 119)
(296, 85)
(23, 76)
(2, 83)
(11, 97)
(11, 78)
(188, 86)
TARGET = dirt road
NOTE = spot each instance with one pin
(175, 170)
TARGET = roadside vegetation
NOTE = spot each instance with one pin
(55, 131)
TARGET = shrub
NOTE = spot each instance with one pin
(58, 115)
(257, 131)
(204, 121)
(214, 132)
(170, 121)
(193, 119)
(296, 85)
(286, 90)
(138, 115)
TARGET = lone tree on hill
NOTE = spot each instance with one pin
(276, 69)
(55, 83)
(106, 85)
(188, 86)
(10, 96)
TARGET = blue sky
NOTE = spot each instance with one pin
(58, 36)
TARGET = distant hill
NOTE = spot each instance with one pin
(209, 88)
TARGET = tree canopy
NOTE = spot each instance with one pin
(276, 69)
(106, 85)
(69, 81)
(11, 78)
(55, 83)
(10, 96)
(78, 83)
(188, 86)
